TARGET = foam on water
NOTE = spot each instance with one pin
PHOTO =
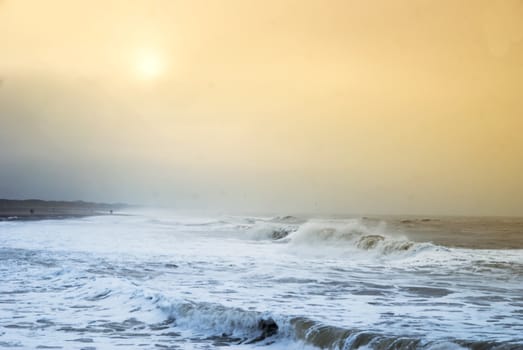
(180, 282)
(352, 236)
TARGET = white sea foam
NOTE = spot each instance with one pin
(194, 283)
(355, 239)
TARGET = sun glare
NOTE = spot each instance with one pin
(149, 65)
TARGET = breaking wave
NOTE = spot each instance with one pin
(356, 237)
(231, 325)
(329, 337)
(238, 326)
(348, 235)
(270, 230)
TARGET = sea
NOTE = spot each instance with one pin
(162, 280)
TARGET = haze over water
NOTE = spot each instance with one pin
(404, 107)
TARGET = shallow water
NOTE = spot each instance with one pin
(154, 281)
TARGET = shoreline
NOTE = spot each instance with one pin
(33, 210)
(58, 216)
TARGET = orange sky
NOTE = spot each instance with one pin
(371, 106)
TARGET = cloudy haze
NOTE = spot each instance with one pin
(277, 106)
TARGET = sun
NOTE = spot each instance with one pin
(149, 65)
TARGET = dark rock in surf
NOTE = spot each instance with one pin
(268, 328)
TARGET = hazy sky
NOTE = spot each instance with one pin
(368, 106)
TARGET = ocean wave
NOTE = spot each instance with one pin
(330, 337)
(287, 219)
(345, 236)
(269, 231)
(238, 326)
(233, 325)
(358, 237)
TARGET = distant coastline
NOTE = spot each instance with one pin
(36, 209)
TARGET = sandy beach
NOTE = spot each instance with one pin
(40, 210)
